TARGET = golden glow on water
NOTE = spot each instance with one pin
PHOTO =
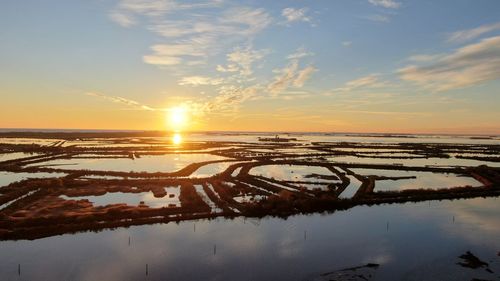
(177, 139)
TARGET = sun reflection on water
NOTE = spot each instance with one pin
(177, 139)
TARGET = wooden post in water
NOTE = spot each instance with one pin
(305, 235)
(19, 269)
(129, 240)
(215, 249)
(147, 270)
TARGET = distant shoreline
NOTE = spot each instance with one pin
(4, 132)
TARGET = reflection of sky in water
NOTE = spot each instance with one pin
(236, 172)
(418, 139)
(248, 198)
(412, 241)
(133, 199)
(28, 141)
(361, 149)
(245, 137)
(398, 154)
(7, 178)
(352, 188)
(290, 151)
(160, 163)
(341, 138)
(15, 155)
(203, 195)
(291, 173)
(423, 180)
(211, 169)
(296, 173)
(416, 162)
(401, 237)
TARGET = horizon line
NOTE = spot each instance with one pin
(63, 130)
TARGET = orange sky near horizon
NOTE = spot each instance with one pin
(294, 66)
(123, 119)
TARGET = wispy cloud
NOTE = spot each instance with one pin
(175, 29)
(200, 80)
(346, 43)
(300, 53)
(293, 95)
(389, 4)
(122, 19)
(124, 101)
(378, 18)
(295, 15)
(251, 20)
(173, 54)
(211, 28)
(194, 108)
(190, 40)
(147, 7)
(384, 15)
(230, 99)
(370, 81)
(204, 39)
(290, 76)
(470, 34)
(391, 113)
(240, 86)
(155, 8)
(241, 60)
(470, 65)
(303, 76)
(424, 57)
(236, 86)
(129, 12)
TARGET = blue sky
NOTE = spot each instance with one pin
(323, 65)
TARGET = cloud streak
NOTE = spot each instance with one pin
(378, 18)
(210, 27)
(291, 76)
(468, 66)
(124, 101)
(200, 80)
(122, 19)
(240, 86)
(303, 76)
(389, 4)
(470, 34)
(295, 15)
(370, 81)
(172, 54)
(229, 99)
(155, 8)
(190, 40)
(241, 60)
(390, 113)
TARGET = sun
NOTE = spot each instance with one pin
(177, 117)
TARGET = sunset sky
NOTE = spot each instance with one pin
(320, 65)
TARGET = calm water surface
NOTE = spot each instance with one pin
(158, 163)
(411, 242)
(414, 241)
